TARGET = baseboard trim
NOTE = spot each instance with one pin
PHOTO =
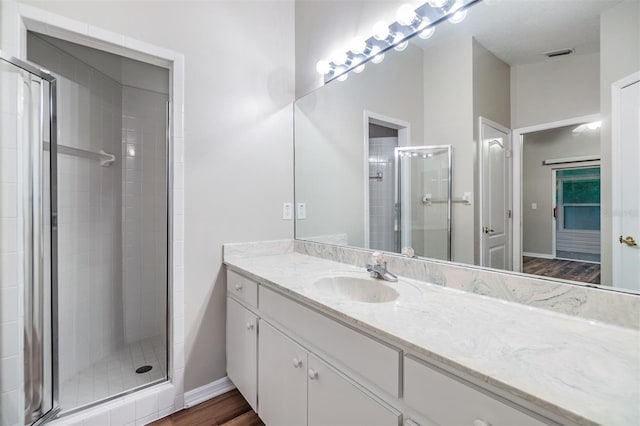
(539, 255)
(208, 391)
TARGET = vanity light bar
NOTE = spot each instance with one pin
(409, 21)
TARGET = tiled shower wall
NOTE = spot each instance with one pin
(382, 193)
(144, 218)
(90, 206)
(10, 256)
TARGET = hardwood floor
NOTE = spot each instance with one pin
(565, 269)
(229, 409)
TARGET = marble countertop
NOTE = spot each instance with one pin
(585, 371)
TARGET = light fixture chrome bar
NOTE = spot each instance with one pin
(104, 158)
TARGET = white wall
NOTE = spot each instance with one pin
(330, 154)
(550, 91)
(537, 183)
(238, 138)
(620, 57)
(448, 120)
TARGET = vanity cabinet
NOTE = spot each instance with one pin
(242, 350)
(298, 366)
(447, 401)
(298, 388)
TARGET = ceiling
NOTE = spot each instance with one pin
(520, 31)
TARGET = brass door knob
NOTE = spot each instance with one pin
(628, 241)
(487, 230)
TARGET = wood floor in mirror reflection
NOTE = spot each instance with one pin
(585, 272)
(228, 409)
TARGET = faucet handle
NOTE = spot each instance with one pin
(377, 258)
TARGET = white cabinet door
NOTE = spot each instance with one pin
(282, 382)
(242, 350)
(334, 400)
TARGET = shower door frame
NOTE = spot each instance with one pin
(33, 235)
(399, 192)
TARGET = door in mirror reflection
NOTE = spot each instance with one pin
(423, 200)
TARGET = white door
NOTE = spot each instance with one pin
(282, 380)
(334, 400)
(242, 350)
(626, 227)
(495, 197)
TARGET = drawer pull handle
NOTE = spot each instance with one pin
(480, 422)
(249, 326)
(313, 374)
(238, 287)
(297, 363)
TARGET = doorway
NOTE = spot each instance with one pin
(560, 200)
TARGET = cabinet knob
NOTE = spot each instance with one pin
(313, 374)
(297, 363)
(480, 422)
(250, 326)
(238, 287)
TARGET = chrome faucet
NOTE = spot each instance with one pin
(378, 268)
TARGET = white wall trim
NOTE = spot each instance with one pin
(517, 143)
(208, 391)
(538, 255)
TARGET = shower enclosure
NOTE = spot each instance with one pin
(90, 204)
(423, 200)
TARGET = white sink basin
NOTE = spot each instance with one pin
(368, 290)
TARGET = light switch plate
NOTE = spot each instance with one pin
(301, 211)
(287, 211)
(534, 206)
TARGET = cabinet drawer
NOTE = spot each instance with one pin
(242, 288)
(447, 401)
(376, 361)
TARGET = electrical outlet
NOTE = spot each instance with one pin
(301, 211)
(534, 206)
(287, 211)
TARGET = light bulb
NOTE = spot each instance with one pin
(437, 3)
(427, 33)
(339, 58)
(323, 67)
(399, 46)
(343, 77)
(594, 125)
(358, 46)
(457, 14)
(376, 57)
(381, 30)
(405, 15)
(424, 30)
(359, 69)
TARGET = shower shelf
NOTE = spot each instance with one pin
(105, 159)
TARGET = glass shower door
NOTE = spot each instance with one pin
(423, 200)
(28, 244)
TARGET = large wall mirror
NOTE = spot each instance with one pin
(508, 141)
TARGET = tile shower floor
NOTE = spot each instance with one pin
(116, 373)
